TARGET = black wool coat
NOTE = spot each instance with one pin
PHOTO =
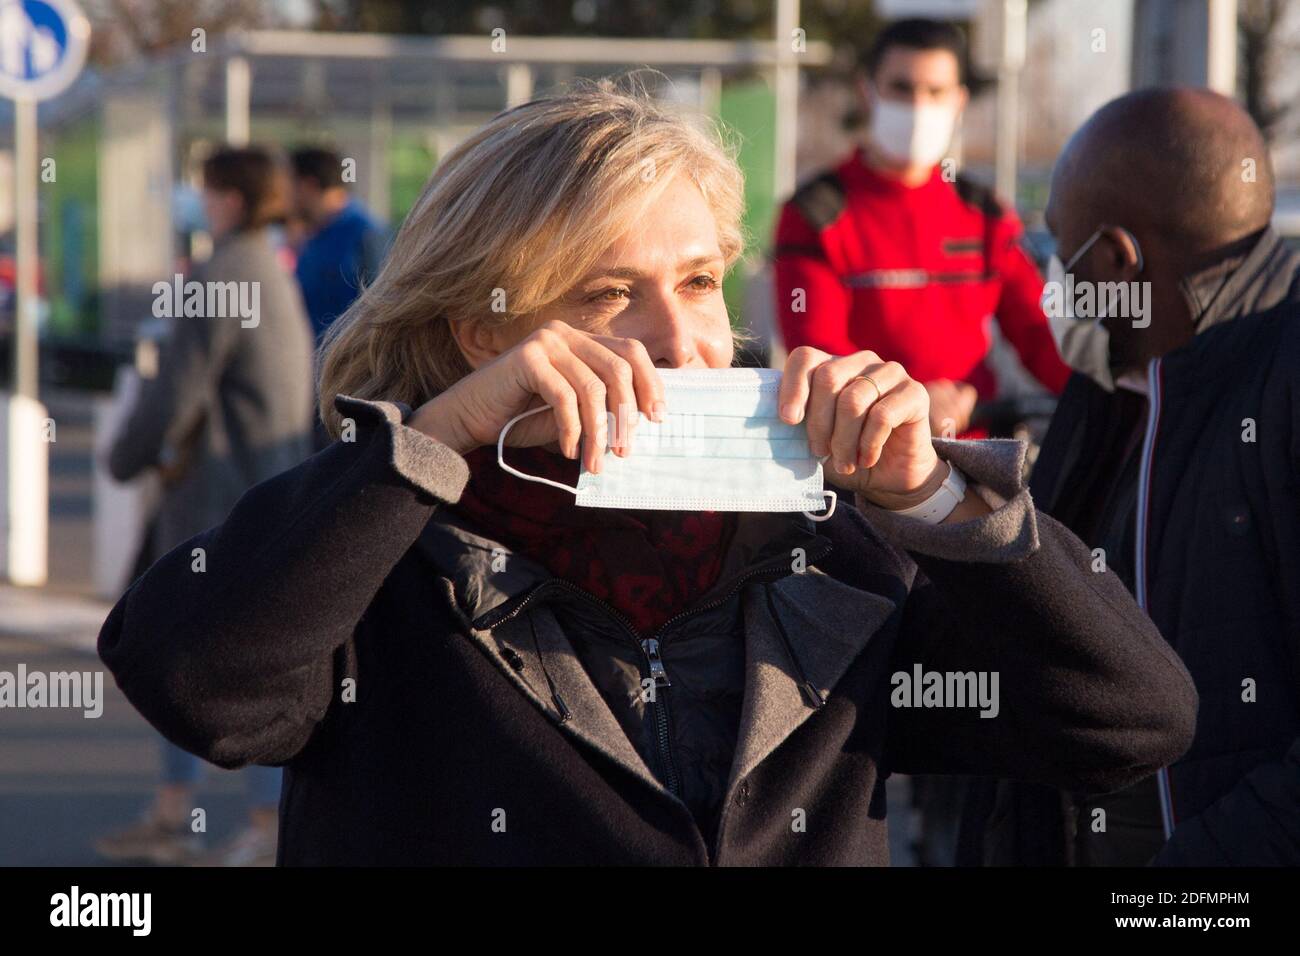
(429, 709)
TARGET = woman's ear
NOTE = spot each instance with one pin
(478, 342)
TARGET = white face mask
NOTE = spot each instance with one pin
(721, 447)
(912, 134)
(1084, 344)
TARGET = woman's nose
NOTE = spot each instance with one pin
(672, 341)
(683, 359)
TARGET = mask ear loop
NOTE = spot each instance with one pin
(830, 493)
(830, 508)
(501, 442)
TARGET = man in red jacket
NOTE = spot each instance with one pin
(895, 253)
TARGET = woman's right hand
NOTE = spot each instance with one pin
(580, 375)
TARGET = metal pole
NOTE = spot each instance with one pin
(1008, 100)
(1221, 47)
(23, 453)
(1011, 60)
(710, 91)
(25, 193)
(239, 82)
(787, 99)
(381, 140)
(519, 84)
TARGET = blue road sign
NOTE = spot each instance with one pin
(42, 47)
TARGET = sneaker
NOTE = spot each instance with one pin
(151, 840)
(252, 846)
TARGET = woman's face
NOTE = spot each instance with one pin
(223, 208)
(661, 283)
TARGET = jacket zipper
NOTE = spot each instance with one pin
(650, 646)
(1140, 583)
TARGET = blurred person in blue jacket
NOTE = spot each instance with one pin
(344, 245)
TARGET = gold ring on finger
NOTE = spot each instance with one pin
(868, 378)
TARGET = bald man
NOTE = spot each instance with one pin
(1175, 455)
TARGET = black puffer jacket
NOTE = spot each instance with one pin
(430, 708)
(1208, 532)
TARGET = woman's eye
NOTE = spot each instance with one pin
(704, 283)
(610, 295)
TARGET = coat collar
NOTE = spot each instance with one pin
(1250, 282)
(806, 626)
(820, 621)
(483, 573)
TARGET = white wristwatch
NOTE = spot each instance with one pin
(940, 504)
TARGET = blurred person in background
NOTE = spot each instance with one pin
(890, 252)
(895, 252)
(339, 246)
(342, 246)
(1174, 455)
(229, 406)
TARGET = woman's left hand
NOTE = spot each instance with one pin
(871, 417)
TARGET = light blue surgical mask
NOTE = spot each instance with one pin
(721, 447)
(1084, 343)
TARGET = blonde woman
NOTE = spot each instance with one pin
(452, 663)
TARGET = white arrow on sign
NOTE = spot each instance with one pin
(43, 47)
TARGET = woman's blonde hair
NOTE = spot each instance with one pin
(508, 222)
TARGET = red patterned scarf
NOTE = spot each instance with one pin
(648, 564)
